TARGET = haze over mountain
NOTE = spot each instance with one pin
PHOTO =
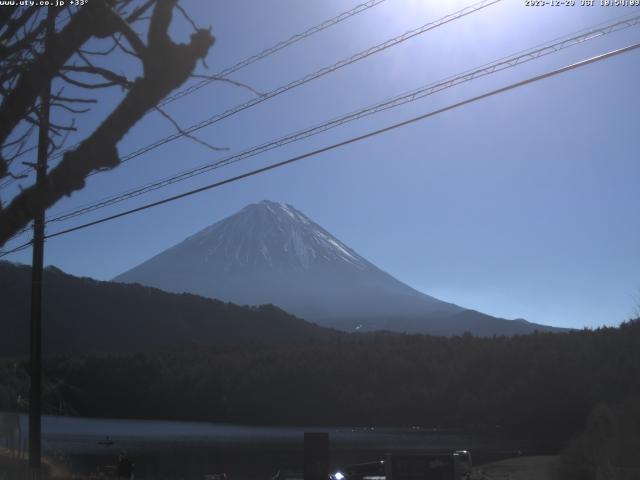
(272, 253)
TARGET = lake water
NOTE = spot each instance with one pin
(188, 450)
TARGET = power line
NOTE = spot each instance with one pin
(351, 140)
(242, 63)
(469, 75)
(314, 76)
(273, 49)
(306, 79)
(16, 249)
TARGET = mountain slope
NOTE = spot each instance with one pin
(84, 315)
(272, 253)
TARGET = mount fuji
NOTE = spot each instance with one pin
(271, 253)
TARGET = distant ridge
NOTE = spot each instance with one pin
(270, 252)
(83, 315)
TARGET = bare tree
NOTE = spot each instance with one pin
(26, 67)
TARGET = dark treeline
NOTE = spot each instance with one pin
(607, 447)
(83, 315)
(540, 386)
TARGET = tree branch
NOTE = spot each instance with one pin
(92, 19)
(186, 134)
(166, 67)
(108, 75)
(217, 78)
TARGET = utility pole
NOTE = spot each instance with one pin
(35, 366)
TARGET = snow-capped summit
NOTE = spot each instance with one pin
(270, 252)
(272, 235)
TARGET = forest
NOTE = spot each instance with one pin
(541, 386)
(84, 315)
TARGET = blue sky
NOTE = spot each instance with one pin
(523, 205)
